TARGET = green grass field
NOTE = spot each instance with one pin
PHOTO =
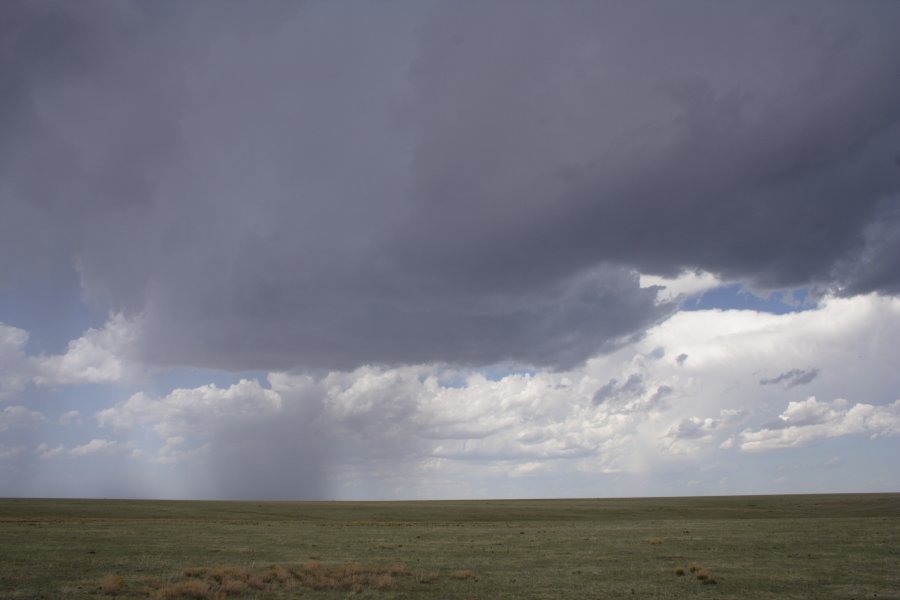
(830, 546)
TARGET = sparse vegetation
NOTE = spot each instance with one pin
(222, 581)
(463, 574)
(753, 548)
(112, 584)
(702, 573)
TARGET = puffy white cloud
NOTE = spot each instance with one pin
(99, 355)
(94, 446)
(191, 412)
(809, 420)
(19, 416)
(46, 452)
(689, 434)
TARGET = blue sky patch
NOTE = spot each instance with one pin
(736, 296)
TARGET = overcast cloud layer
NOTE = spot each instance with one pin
(444, 248)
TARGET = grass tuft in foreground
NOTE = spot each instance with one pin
(223, 581)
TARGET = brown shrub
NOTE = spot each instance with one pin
(694, 567)
(383, 582)
(221, 581)
(703, 574)
(679, 571)
(112, 584)
(398, 569)
(220, 573)
(233, 587)
(194, 572)
(280, 574)
(312, 566)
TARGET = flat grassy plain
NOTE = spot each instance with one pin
(809, 546)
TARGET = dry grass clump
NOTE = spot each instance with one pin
(702, 573)
(194, 571)
(221, 582)
(112, 584)
(705, 577)
(383, 582)
(398, 569)
(233, 587)
(655, 541)
(346, 577)
(279, 574)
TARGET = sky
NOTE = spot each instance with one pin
(442, 249)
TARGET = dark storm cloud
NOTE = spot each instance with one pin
(792, 378)
(279, 184)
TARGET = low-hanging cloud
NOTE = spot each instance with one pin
(274, 185)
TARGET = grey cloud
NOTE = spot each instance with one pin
(693, 428)
(661, 393)
(19, 416)
(283, 184)
(607, 391)
(681, 358)
(872, 267)
(792, 378)
(629, 389)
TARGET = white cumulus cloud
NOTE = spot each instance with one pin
(810, 420)
(192, 411)
(99, 355)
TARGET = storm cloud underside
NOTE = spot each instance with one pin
(284, 185)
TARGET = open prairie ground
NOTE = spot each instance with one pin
(829, 546)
